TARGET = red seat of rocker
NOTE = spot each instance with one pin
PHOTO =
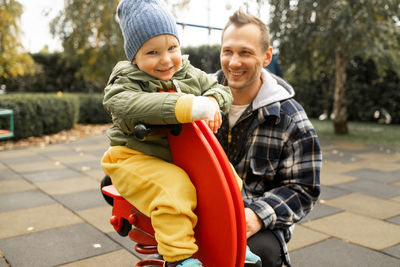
(221, 229)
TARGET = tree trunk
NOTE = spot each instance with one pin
(339, 104)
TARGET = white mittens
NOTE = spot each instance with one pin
(204, 108)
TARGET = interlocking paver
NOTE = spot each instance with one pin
(395, 220)
(394, 251)
(361, 230)
(372, 188)
(27, 167)
(125, 242)
(303, 237)
(116, 258)
(58, 216)
(91, 147)
(14, 185)
(81, 200)
(16, 154)
(66, 186)
(96, 174)
(396, 199)
(99, 217)
(338, 167)
(21, 160)
(51, 148)
(23, 200)
(338, 253)
(378, 164)
(375, 175)
(49, 175)
(99, 153)
(366, 205)
(85, 166)
(328, 192)
(25, 221)
(67, 151)
(56, 246)
(74, 158)
(320, 210)
(384, 156)
(6, 174)
(328, 178)
(343, 157)
(350, 146)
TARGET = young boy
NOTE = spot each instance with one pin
(142, 171)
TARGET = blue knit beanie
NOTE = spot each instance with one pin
(141, 20)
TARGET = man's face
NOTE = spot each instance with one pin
(160, 57)
(242, 57)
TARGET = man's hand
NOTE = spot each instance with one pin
(253, 222)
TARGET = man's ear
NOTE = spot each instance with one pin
(267, 56)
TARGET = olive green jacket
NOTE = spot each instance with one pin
(131, 97)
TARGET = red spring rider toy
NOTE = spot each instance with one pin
(221, 229)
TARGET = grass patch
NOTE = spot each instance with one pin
(359, 132)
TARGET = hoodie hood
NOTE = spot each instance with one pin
(274, 89)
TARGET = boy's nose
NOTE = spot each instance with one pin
(165, 59)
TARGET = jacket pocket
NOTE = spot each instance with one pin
(263, 166)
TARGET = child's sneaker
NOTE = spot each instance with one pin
(191, 262)
(252, 259)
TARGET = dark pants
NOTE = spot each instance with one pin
(265, 245)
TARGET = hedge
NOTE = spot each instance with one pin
(40, 114)
(91, 109)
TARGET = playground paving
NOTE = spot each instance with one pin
(52, 212)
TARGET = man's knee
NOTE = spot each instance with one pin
(267, 247)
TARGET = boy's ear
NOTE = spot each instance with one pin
(267, 56)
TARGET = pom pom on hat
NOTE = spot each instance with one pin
(141, 20)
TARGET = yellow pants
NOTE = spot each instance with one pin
(161, 191)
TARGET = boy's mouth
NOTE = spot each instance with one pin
(166, 70)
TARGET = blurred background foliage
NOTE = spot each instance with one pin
(341, 56)
(13, 62)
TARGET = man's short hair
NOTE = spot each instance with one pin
(240, 18)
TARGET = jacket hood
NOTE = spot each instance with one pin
(274, 89)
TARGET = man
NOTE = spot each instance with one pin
(268, 139)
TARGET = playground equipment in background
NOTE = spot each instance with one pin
(8, 132)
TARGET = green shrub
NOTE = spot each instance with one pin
(91, 109)
(40, 114)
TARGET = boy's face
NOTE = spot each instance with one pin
(159, 57)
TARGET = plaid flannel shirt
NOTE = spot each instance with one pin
(276, 152)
